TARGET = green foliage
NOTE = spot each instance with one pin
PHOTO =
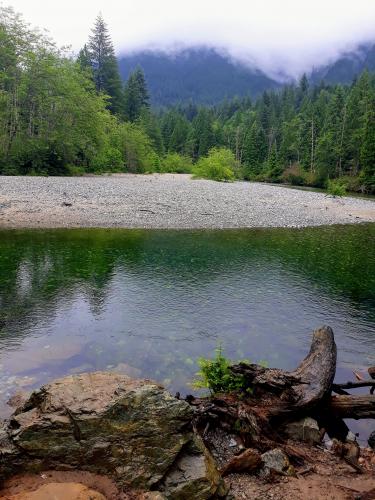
(136, 148)
(219, 165)
(294, 175)
(215, 375)
(75, 171)
(136, 97)
(100, 55)
(202, 136)
(336, 188)
(273, 169)
(175, 163)
(56, 113)
(109, 159)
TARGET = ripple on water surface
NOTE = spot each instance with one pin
(148, 303)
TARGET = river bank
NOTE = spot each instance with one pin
(106, 436)
(165, 201)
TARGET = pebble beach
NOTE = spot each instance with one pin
(168, 201)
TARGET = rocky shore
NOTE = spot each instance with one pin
(106, 436)
(168, 201)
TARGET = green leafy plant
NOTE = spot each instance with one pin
(336, 188)
(294, 175)
(175, 163)
(215, 375)
(219, 165)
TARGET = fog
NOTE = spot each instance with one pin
(283, 38)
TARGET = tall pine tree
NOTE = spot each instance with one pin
(104, 65)
(136, 96)
(368, 146)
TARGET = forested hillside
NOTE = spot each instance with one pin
(205, 76)
(201, 75)
(347, 67)
(63, 116)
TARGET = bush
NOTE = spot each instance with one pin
(75, 171)
(294, 175)
(219, 165)
(109, 159)
(315, 179)
(175, 163)
(136, 147)
(215, 375)
(336, 188)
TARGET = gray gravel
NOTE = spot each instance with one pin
(168, 201)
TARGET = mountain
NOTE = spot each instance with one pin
(347, 67)
(206, 76)
(202, 75)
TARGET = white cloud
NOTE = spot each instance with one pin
(288, 36)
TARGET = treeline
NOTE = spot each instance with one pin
(300, 134)
(62, 116)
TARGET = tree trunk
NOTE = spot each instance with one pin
(306, 386)
(279, 396)
(352, 406)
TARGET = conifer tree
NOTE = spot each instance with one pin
(136, 96)
(255, 150)
(202, 136)
(104, 65)
(274, 169)
(368, 146)
(84, 59)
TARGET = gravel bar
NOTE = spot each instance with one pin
(168, 201)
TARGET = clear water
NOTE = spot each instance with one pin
(150, 302)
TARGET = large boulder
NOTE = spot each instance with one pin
(107, 423)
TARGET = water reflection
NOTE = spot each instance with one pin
(149, 303)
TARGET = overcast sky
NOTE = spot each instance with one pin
(289, 36)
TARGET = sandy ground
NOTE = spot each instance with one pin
(168, 201)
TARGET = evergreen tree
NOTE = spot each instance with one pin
(273, 167)
(150, 125)
(104, 65)
(84, 59)
(136, 96)
(368, 146)
(202, 137)
(255, 150)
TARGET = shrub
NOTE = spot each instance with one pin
(137, 151)
(75, 171)
(215, 375)
(294, 175)
(219, 165)
(315, 179)
(109, 159)
(175, 163)
(336, 188)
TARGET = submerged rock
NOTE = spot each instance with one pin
(107, 423)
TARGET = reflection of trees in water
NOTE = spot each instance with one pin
(40, 270)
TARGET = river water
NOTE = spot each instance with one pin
(149, 303)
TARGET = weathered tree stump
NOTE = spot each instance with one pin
(279, 396)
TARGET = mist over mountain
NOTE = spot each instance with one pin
(347, 67)
(202, 75)
(207, 76)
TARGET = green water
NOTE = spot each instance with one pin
(150, 302)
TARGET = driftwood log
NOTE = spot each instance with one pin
(278, 396)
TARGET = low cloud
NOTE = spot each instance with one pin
(283, 38)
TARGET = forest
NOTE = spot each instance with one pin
(66, 115)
